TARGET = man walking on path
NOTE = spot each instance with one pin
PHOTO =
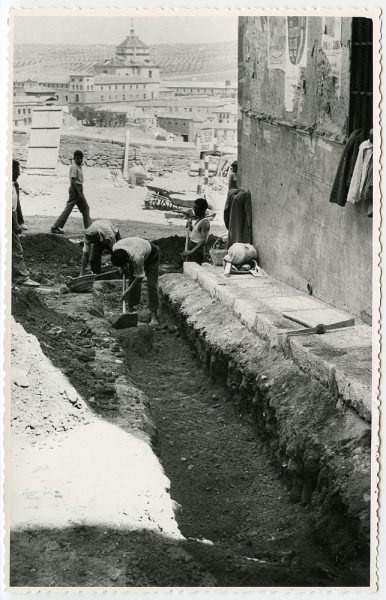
(76, 196)
(100, 236)
(20, 275)
(137, 257)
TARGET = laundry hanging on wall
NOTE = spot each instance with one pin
(361, 186)
(346, 167)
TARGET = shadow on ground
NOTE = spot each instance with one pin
(98, 556)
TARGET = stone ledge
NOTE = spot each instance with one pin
(340, 359)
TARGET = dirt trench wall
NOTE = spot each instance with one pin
(323, 452)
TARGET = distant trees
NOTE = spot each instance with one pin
(86, 114)
(100, 118)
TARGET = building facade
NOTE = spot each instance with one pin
(129, 75)
(185, 126)
(305, 83)
(23, 107)
(201, 88)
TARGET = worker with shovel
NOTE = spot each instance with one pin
(98, 238)
(136, 257)
(197, 233)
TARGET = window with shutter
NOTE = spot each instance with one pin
(361, 75)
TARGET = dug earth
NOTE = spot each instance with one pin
(228, 482)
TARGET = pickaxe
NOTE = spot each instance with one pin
(318, 329)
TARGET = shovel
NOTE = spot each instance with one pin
(187, 237)
(125, 320)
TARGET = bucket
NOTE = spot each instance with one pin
(217, 255)
(81, 284)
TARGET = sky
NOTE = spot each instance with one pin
(112, 30)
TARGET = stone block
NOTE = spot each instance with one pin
(313, 357)
(354, 383)
(293, 303)
(207, 281)
(191, 269)
(359, 336)
(225, 295)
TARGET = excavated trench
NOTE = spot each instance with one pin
(246, 522)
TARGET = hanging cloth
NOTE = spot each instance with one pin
(346, 168)
(367, 191)
(363, 164)
(238, 216)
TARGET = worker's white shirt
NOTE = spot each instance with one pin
(100, 231)
(196, 235)
(137, 250)
(76, 173)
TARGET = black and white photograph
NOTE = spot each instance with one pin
(192, 300)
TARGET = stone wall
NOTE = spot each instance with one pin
(288, 160)
(110, 154)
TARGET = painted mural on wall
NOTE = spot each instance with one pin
(277, 40)
(296, 57)
(332, 47)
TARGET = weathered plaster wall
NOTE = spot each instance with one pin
(289, 159)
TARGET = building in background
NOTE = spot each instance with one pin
(129, 75)
(305, 83)
(185, 126)
(202, 88)
(23, 107)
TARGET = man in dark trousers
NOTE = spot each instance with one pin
(19, 212)
(76, 196)
(137, 257)
(20, 275)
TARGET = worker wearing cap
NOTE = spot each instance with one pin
(137, 258)
(99, 237)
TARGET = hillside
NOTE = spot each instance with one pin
(215, 61)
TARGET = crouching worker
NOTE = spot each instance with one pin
(100, 236)
(199, 233)
(135, 258)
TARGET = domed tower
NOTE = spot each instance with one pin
(133, 49)
(131, 74)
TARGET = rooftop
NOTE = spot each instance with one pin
(204, 101)
(230, 108)
(105, 78)
(199, 84)
(132, 41)
(24, 99)
(39, 89)
(190, 117)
